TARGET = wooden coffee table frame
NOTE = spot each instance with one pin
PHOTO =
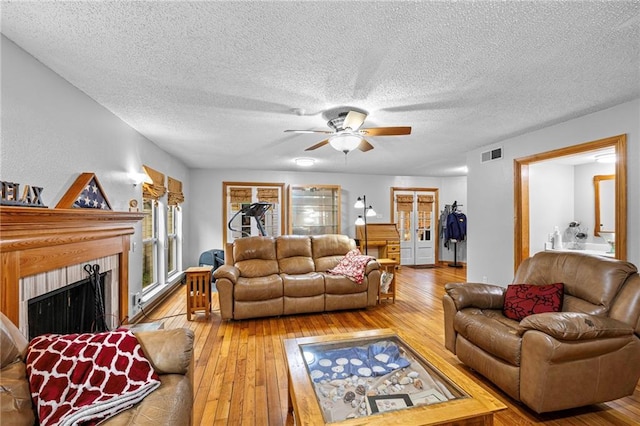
(477, 409)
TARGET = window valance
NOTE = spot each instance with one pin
(156, 188)
(240, 195)
(425, 203)
(175, 195)
(404, 203)
(268, 195)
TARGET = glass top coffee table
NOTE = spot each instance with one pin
(374, 377)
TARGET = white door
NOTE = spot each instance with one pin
(414, 213)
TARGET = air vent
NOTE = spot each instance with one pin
(494, 154)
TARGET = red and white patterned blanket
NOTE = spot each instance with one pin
(85, 378)
(353, 266)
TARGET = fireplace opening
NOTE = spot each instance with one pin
(76, 308)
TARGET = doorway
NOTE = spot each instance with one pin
(521, 192)
(413, 212)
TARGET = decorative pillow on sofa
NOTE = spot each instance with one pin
(352, 266)
(84, 378)
(522, 300)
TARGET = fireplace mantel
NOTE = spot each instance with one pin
(35, 240)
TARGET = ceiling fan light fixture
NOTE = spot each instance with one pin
(345, 142)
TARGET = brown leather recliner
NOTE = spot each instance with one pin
(169, 351)
(271, 276)
(587, 353)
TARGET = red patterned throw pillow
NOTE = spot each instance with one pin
(352, 266)
(85, 378)
(522, 300)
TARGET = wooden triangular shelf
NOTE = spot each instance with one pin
(85, 193)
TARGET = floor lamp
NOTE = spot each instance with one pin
(361, 203)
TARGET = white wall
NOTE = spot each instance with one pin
(551, 188)
(52, 132)
(207, 210)
(490, 187)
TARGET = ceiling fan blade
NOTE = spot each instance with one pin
(365, 146)
(354, 120)
(309, 131)
(318, 145)
(386, 131)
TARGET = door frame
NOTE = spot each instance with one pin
(436, 232)
(521, 192)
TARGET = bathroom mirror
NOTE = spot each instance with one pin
(605, 200)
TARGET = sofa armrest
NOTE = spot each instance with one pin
(478, 295)
(229, 272)
(169, 351)
(575, 325)
(371, 266)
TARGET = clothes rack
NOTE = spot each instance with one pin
(455, 264)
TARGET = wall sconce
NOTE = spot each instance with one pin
(361, 203)
(138, 178)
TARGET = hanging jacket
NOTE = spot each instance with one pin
(456, 226)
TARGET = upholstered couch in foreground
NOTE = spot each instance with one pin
(271, 276)
(587, 353)
(169, 351)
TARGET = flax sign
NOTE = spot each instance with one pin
(31, 196)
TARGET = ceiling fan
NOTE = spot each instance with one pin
(346, 134)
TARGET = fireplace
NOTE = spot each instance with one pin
(42, 250)
(79, 307)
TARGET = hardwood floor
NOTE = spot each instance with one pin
(240, 375)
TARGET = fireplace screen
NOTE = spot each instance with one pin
(76, 308)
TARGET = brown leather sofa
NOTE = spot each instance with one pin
(587, 353)
(169, 351)
(271, 276)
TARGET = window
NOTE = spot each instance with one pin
(162, 230)
(172, 240)
(149, 244)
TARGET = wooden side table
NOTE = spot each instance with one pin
(198, 280)
(389, 266)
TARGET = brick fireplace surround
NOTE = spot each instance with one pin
(37, 240)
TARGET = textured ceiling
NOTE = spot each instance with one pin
(217, 83)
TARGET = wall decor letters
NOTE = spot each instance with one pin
(10, 195)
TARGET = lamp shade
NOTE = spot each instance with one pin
(359, 221)
(370, 212)
(345, 142)
(359, 203)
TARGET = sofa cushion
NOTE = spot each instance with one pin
(168, 351)
(255, 256)
(294, 254)
(329, 249)
(339, 284)
(304, 285)
(594, 279)
(522, 300)
(490, 330)
(258, 288)
(170, 404)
